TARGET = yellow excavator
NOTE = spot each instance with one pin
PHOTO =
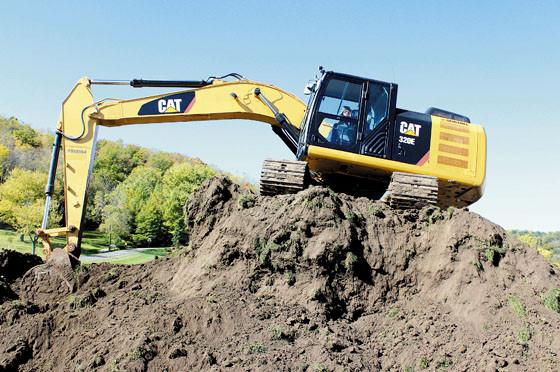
(350, 136)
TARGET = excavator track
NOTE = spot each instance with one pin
(412, 191)
(283, 176)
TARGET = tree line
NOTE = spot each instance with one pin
(548, 244)
(136, 195)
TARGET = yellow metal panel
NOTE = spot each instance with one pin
(342, 157)
(454, 148)
(481, 157)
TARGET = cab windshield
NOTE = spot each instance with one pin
(339, 107)
(340, 93)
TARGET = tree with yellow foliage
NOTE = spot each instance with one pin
(4, 153)
(548, 244)
(22, 200)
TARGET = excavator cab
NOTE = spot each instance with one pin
(347, 114)
(354, 139)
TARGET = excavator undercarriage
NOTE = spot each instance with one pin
(283, 176)
(409, 191)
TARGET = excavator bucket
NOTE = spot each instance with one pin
(55, 277)
(60, 260)
(57, 274)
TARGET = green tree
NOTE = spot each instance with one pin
(126, 200)
(139, 186)
(27, 149)
(114, 160)
(548, 244)
(178, 183)
(100, 188)
(11, 123)
(160, 160)
(116, 223)
(117, 219)
(27, 137)
(149, 226)
(180, 234)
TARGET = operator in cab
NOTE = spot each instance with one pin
(344, 132)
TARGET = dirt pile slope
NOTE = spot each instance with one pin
(12, 266)
(316, 281)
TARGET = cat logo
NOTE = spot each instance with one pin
(410, 129)
(169, 105)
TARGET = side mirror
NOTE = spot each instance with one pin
(310, 88)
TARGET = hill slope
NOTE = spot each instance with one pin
(314, 281)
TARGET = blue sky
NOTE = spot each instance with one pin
(496, 62)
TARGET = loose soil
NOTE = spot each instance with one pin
(315, 281)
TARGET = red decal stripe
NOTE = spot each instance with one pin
(424, 159)
(189, 107)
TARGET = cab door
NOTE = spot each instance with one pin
(379, 112)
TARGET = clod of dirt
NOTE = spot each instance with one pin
(6, 292)
(14, 264)
(315, 281)
(17, 354)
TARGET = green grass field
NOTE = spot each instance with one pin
(92, 243)
(133, 258)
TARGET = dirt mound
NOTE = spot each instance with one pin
(315, 281)
(12, 266)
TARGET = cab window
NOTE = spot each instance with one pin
(376, 109)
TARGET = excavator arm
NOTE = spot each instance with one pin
(210, 100)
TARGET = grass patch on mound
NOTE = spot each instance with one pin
(551, 299)
(246, 201)
(256, 347)
(376, 211)
(517, 306)
(524, 333)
